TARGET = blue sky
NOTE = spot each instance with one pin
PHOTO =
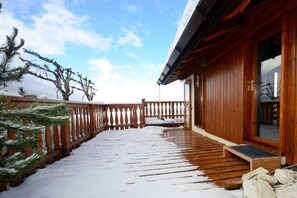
(121, 45)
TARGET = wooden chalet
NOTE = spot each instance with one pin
(238, 60)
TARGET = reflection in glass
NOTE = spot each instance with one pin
(268, 99)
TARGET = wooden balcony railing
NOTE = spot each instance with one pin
(89, 119)
(164, 109)
(124, 116)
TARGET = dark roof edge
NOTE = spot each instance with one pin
(205, 16)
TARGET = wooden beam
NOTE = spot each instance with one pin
(240, 8)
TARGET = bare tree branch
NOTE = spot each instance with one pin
(63, 78)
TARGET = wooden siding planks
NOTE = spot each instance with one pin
(224, 96)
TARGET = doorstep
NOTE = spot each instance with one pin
(255, 156)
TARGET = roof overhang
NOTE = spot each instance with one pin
(206, 14)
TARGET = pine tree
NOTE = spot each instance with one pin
(24, 123)
(7, 52)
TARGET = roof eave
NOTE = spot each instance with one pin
(205, 15)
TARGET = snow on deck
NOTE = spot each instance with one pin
(127, 163)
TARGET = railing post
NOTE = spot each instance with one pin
(65, 139)
(142, 116)
(92, 120)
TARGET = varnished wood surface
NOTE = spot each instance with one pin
(207, 155)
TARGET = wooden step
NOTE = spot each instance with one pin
(255, 156)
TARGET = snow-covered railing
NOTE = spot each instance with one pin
(56, 141)
(125, 116)
(163, 109)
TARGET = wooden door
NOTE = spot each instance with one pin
(266, 91)
(187, 104)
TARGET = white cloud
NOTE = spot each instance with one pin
(130, 38)
(116, 86)
(53, 28)
(132, 8)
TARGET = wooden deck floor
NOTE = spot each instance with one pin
(207, 155)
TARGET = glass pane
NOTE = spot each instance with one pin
(269, 88)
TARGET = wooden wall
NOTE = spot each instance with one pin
(224, 96)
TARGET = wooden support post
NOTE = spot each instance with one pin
(65, 139)
(142, 116)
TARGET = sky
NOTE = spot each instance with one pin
(121, 45)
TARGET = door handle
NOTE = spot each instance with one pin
(251, 84)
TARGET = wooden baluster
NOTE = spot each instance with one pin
(92, 120)
(146, 110)
(101, 118)
(150, 109)
(77, 128)
(134, 116)
(161, 110)
(56, 141)
(111, 118)
(116, 118)
(73, 131)
(48, 144)
(98, 118)
(182, 109)
(39, 147)
(178, 109)
(11, 136)
(106, 118)
(172, 110)
(130, 117)
(121, 120)
(85, 113)
(169, 110)
(65, 139)
(82, 117)
(165, 110)
(29, 149)
(88, 120)
(126, 118)
(81, 122)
